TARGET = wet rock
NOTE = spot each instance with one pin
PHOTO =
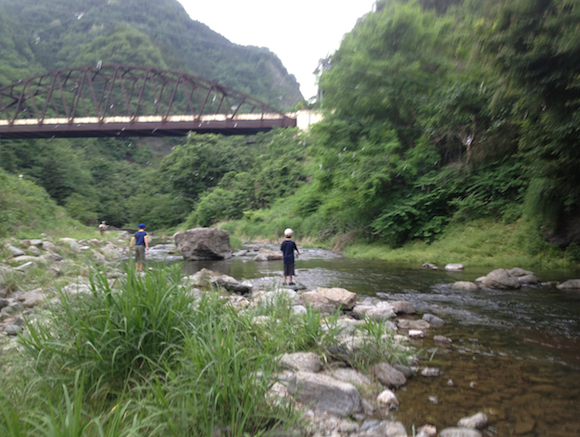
(231, 284)
(33, 251)
(240, 253)
(340, 297)
(459, 432)
(433, 399)
(430, 266)
(203, 243)
(32, 298)
(415, 333)
(413, 324)
(571, 284)
(454, 267)
(500, 279)
(465, 286)
(517, 272)
(388, 399)
(405, 370)
(323, 393)
(380, 311)
(388, 375)
(477, 421)
(528, 279)
(268, 255)
(433, 320)
(441, 339)
(320, 303)
(15, 252)
(301, 361)
(403, 307)
(427, 431)
(430, 371)
(25, 267)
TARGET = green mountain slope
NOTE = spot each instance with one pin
(56, 34)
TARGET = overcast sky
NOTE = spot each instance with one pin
(300, 32)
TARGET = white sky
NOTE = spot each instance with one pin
(300, 32)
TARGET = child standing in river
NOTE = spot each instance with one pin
(141, 245)
(288, 247)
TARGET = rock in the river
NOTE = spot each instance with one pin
(351, 376)
(528, 279)
(454, 267)
(459, 432)
(413, 324)
(403, 307)
(320, 303)
(440, 339)
(571, 284)
(430, 266)
(430, 371)
(477, 421)
(374, 428)
(465, 286)
(231, 284)
(268, 255)
(388, 375)
(416, 333)
(323, 393)
(517, 272)
(388, 399)
(380, 311)
(501, 279)
(340, 297)
(302, 362)
(427, 431)
(433, 320)
(203, 243)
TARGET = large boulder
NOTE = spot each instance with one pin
(501, 279)
(203, 243)
(323, 393)
(571, 284)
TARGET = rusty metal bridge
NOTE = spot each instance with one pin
(130, 101)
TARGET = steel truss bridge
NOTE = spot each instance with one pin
(128, 101)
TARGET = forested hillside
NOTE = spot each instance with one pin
(45, 35)
(437, 113)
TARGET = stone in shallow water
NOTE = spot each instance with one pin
(477, 421)
(465, 285)
(388, 399)
(433, 320)
(388, 375)
(454, 267)
(459, 432)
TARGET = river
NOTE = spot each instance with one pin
(515, 354)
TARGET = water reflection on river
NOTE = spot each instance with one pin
(515, 354)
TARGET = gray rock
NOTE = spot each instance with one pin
(413, 324)
(15, 251)
(405, 370)
(48, 246)
(388, 399)
(416, 333)
(477, 421)
(110, 252)
(49, 258)
(320, 303)
(4, 303)
(323, 393)
(32, 298)
(285, 296)
(33, 251)
(351, 376)
(433, 320)
(240, 253)
(440, 339)
(430, 371)
(301, 362)
(299, 309)
(12, 329)
(459, 432)
(72, 244)
(374, 428)
(203, 243)
(517, 272)
(340, 297)
(500, 279)
(465, 286)
(231, 284)
(25, 258)
(454, 267)
(427, 431)
(25, 267)
(36, 242)
(430, 266)
(528, 279)
(268, 255)
(388, 375)
(76, 288)
(571, 284)
(403, 307)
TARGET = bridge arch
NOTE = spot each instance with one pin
(126, 100)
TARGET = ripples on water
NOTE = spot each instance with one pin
(515, 354)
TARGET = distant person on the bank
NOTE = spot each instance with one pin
(141, 245)
(103, 227)
(288, 247)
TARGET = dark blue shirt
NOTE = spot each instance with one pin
(288, 247)
(140, 238)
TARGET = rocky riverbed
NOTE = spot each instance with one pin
(337, 399)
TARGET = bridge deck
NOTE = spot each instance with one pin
(143, 126)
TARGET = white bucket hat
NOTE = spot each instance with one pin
(288, 232)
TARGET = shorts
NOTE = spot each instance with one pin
(139, 254)
(289, 269)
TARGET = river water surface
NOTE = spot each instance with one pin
(515, 354)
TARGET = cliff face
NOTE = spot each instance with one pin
(73, 32)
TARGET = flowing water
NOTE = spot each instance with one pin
(515, 354)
